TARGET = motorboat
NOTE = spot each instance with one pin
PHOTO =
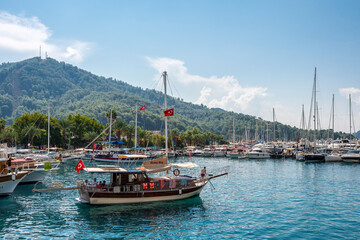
(258, 153)
(237, 153)
(9, 178)
(219, 152)
(37, 170)
(314, 157)
(352, 156)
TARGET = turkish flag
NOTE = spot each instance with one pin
(169, 112)
(142, 108)
(79, 166)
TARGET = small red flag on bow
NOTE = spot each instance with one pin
(142, 108)
(79, 166)
(169, 112)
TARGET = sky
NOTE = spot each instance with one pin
(244, 56)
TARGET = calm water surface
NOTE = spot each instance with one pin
(259, 199)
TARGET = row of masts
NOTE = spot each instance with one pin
(314, 114)
(314, 119)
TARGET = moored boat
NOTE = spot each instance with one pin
(8, 179)
(136, 186)
(258, 153)
(352, 156)
(314, 157)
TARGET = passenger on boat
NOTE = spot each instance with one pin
(86, 182)
(203, 173)
(9, 165)
(94, 182)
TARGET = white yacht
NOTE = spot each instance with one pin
(258, 153)
(220, 152)
(352, 156)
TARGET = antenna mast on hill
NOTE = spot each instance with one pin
(40, 52)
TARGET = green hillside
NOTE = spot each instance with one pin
(33, 84)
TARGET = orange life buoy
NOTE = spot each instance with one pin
(176, 172)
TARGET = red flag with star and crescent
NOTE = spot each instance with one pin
(79, 166)
(142, 108)
(169, 112)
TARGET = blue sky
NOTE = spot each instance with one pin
(242, 56)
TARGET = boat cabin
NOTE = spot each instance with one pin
(122, 180)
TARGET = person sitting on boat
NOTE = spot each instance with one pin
(86, 182)
(94, 182)
(203, 173)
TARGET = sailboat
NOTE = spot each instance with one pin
(137, 186)
(314, 157)
(332, 156)
(119, 155)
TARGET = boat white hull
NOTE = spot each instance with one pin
(258, 156)
(34, 176)
(333, 158)
(219, 154)
(84, 198)
(351, 160)
(8, 186)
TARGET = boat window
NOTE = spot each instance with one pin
(124, 178)
(140, 178)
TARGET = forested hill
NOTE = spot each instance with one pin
(33, 84)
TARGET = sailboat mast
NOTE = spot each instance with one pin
(48, 128)
(315, 107)
(233, 130)
(136, 127)
(350, 113)
(110, 127)
(333, 115)
(274, 123)
(165, 106)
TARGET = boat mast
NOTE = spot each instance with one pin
(333, 116)
(350, 113)
(234, 131)
(332, 119)
(315, 107)
(165, 106)
(274, 123)
(135, 127)
(302, 123)
(246, 135)
(110, 127)
(48, 128)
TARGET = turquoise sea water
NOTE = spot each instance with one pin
(259, 199)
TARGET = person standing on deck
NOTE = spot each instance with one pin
(203, 173)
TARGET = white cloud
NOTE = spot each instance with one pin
(25, 35)
(204, 94)
(355, 94)
(223, 92)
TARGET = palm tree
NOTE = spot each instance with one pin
(66, 125)
(2, 124)
(119, 127)
(148, 136)
(111, 113)
(8, 134)
(31, 132)
(89, 136)
(175, 135)
(129, 131)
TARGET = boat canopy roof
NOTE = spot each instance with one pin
(111, 170)
(160, 165)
